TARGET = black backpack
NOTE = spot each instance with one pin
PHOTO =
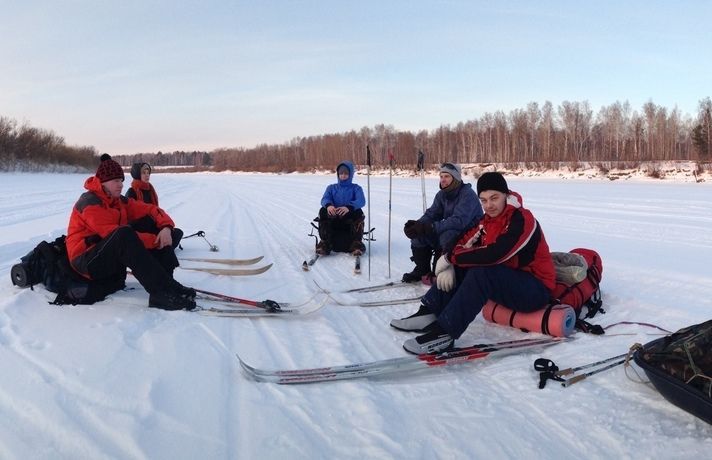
(48, 264)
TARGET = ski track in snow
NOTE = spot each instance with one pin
(118, 380)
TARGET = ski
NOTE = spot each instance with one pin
(357, 265)
(308, 263)
(225, 261)
(376, 303)
(231, 300)
(397, 365)
(230, 271)
(374, 288)
(311, 306)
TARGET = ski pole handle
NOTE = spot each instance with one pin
(368, 156)
(421, 160)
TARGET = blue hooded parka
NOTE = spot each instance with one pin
(344, 192)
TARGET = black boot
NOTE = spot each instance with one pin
(357, 247)
(421, 257)
(170, 300)
(323, 248)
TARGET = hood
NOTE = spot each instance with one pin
(93, 184)
(136, 170)
(350, 167)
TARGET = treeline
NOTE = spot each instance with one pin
(536, 135)
(179, 158)
(23, 147)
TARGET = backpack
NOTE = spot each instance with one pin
(576, 288)
(48, 264)
(680, 368)
(583, 296)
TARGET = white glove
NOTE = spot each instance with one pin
(446, 278)
(441, 265)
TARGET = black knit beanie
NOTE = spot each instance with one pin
(492, 181)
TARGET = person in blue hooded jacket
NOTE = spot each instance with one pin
(341, 217)
(454, 209)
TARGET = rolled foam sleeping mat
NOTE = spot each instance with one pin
(556, 320)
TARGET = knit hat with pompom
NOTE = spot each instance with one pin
(109, 169)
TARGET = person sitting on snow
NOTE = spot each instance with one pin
(454, 209)
(340, 217)
(141, 189)
(101, 244)
(504, 257)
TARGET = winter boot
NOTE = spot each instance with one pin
(187, 292)
(357, 247)
(170, 300)
(435, 340)
(421, 257)
(323, 248)
(417, 322)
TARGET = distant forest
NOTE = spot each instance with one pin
(23, 147)
(538, 135)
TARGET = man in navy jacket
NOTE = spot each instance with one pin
(454, 209)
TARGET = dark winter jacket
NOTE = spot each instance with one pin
(95, 215)
(514, 239)
(344, 193)
(453, 212)
(143, 191)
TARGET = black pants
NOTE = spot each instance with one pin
(341, 232)
(123, 248)
(148, 225)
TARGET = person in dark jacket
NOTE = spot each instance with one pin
(101, 244)
(341, 218)
(454, 209)
(505, 257)
(142, 189)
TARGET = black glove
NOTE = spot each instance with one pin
(423, 228)
(414, 229)
(409, 230)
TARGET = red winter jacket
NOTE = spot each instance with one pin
(142, 191)
(514, 238)
(95, 216)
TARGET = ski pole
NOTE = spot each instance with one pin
(201, 234)
(421, 168)
(573, 370)
(578, 378)
(390, 195)
(549, 370)
(368, 186)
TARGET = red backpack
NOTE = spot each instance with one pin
(585, 296)
(556, 318)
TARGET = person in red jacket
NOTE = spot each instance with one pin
(504, 257)
(101, 244)
(143, 190)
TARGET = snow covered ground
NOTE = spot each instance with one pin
(117, 380)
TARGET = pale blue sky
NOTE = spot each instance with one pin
(129, 76)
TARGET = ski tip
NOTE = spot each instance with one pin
(245, 367)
